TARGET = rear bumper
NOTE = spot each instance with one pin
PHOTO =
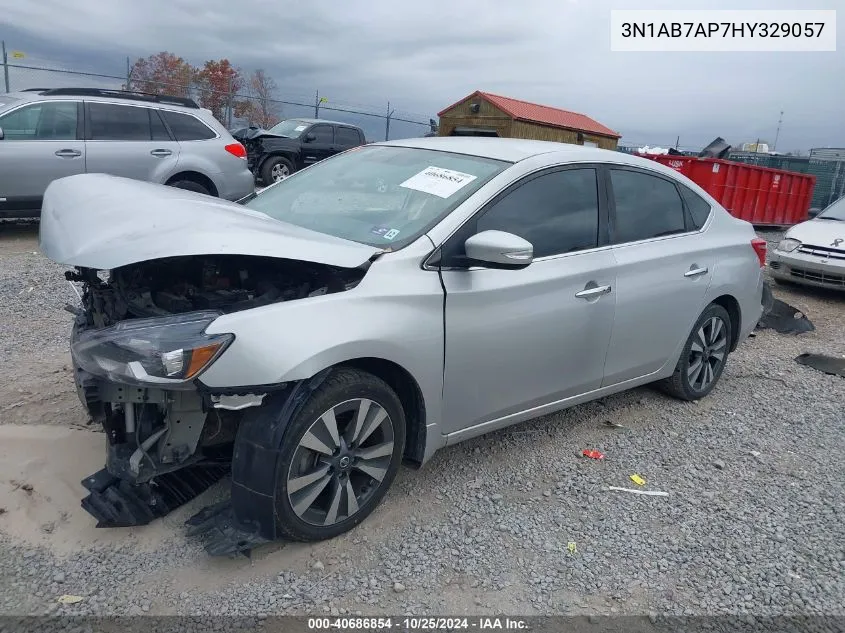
(236, 185)
(809, 270)
(756, 311)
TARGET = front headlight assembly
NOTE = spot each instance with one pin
(788, 245)
(166, 352)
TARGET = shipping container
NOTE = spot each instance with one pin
(760, 195)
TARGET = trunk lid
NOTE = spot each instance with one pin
(104, 222)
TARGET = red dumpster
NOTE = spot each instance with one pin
(758, 195)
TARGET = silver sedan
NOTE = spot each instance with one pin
(813, 252)
(378, 306)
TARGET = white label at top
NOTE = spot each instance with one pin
(759, 30)
(438, 181)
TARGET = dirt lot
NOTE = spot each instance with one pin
(516, 522)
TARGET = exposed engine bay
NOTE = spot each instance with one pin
(227, 283)
(167, 445)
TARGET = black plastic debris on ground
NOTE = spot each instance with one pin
(118, 503)
(827, 364)
(222, 534)
(785, 319)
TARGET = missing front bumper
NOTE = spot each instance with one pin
(115, 502)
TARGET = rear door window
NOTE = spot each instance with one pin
(698, 207)
(347, 136)
(112, 122)
(646, 206)
(186, 127)
(159, 132)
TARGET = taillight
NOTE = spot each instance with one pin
(759, 246)
(236, 149)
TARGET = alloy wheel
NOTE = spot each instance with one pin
(340, 462)
(279, 172)
(707, 353)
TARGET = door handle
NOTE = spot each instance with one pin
(589, 293)
(68, 153)
(161, 152)
(695, 272)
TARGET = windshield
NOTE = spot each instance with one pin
(377, 195)
(836, 211)
(290, 128)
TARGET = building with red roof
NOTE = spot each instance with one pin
(486, 114)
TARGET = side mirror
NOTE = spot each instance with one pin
(2, 136)
(310, 137)
(498, 249)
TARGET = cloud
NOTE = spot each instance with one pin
(423, 56)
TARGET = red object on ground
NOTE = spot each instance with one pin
(592, 453)
(760, 195)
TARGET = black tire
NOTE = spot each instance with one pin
(341, 387)
(277, 164)
(686, 383)
(190, 185)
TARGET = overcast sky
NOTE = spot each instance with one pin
(424, 56)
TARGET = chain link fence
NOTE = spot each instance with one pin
(233, 108)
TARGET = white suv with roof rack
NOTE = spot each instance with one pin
(49, 134)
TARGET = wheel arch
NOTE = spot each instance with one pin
(410, 395)
(197, 177)
(731, 305)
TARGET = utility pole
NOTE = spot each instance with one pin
(128, 74)
(230, 102)
(757, 146)
(317, 105)
(678, 142)
(780, 120)
(387, 122)
(5, 66)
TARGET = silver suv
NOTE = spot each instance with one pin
(50, 134)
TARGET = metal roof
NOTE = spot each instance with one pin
(536, 113)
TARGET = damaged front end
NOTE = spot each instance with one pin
(139, 345)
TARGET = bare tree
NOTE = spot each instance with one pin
(260, 108)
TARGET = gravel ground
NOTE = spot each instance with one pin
(516, 522)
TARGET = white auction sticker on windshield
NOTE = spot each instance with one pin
(438, 181)
(299, 128)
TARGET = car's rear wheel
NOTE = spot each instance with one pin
(340, 455)
(275, 169)
(704, 356)
(190, 185)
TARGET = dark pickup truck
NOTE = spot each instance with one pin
(293, 144)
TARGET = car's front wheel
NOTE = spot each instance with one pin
(275, 169)
(340, 455)
(704, 356)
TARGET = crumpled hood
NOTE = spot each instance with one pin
(249, 133)
(104, 222)
(819, 233)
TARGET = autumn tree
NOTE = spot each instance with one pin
(162, 73)
(260, 108)
(218, 82)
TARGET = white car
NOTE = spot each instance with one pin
(813, 252)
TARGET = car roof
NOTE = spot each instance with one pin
(307, 120)
(34, 95)
(515, 150)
